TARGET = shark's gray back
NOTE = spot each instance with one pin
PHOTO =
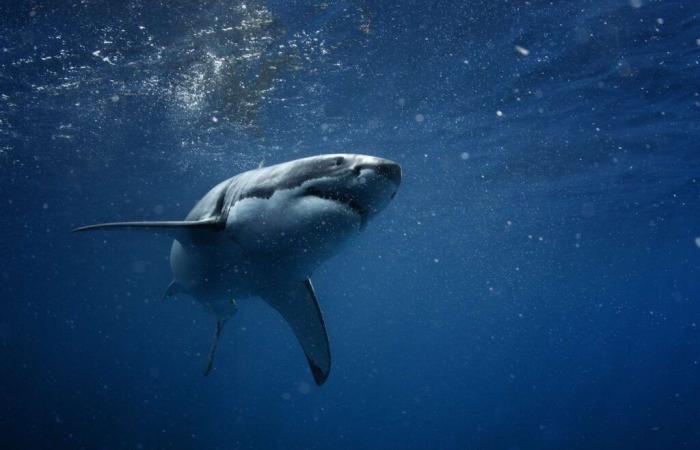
(261, 183)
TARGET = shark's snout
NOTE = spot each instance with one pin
(390, 170)
(387, 168)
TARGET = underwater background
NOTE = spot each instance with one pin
(534, 284)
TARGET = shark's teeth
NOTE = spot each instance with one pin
(339, 197)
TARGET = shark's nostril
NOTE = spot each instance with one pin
(390, 170)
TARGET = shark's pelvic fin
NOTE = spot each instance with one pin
(297, 303)
(173, 289)
(213, 223)
(214, 344)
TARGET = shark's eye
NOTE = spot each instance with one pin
(339, 161)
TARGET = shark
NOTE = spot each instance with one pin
(263, 233)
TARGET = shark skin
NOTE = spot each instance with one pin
(262, 233)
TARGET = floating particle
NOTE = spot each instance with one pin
(660, 21)
(4, 330)
(697, 241)
(420, 118)
(139, 266)
(45, 206)
(499, 113)
(636, 3)
(215, 119)
(588, 209)
(464, 156)
(697, 41)
(522, 50)
(115, 98)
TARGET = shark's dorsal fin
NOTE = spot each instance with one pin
(213, 223)
(297, 303)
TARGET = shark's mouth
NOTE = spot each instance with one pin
(339, 197)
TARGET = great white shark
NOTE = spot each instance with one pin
(263, 232)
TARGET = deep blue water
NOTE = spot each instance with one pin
(534, 285)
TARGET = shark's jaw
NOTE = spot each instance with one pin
(344, 198)
(362, 185)
(305, 222)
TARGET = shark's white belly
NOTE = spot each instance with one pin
(264, 239)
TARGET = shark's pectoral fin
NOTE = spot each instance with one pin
(213, 223)
(298, 305)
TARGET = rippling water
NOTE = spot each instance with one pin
(534, 284)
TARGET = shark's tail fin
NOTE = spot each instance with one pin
(222, 311)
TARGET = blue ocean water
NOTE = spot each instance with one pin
(534, 285)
